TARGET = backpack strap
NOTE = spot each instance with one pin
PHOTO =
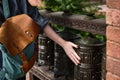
(28, 64)
(33, 58)
(25, 64)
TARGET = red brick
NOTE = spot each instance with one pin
(113, 65)
(113, 33)
(113, 4)
(113, 17)
(113, 49)
(111, 76)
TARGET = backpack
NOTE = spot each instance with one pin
(17, 44)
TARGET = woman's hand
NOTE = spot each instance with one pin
(66, 45)
(68, 48)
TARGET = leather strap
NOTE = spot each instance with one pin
(32, 60)
(27, 65)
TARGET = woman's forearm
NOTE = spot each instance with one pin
(49, 32)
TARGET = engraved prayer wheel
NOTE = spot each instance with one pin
(63, 66)
(46, 51)
(50, 53)
(91, 51)
(104, 66)
(41, 50)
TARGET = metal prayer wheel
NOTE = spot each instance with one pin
(63, 66)
(91, 51)
(46, 51)
(41, 50)
(50, 53)
(104, 66)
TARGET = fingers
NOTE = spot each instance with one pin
(74, 59)
(71, 52)
(75, 54)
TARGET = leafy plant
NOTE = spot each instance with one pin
(76, 7)
(51, 5)
(64, 5)
(87, 34)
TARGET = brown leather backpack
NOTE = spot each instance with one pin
(16, 33)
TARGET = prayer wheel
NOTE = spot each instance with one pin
(63, 66)
(91, 52)
(104, 66)
(46, 51)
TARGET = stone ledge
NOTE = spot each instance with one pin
(78, 22)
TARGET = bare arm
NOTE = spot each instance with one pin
(66, 45)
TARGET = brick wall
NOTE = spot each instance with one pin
(113, 40)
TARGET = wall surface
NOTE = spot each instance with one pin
(113, 40)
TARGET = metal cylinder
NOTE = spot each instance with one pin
(46, 51)
(91, 51)
(41, 50)
(63, 66)
(50, 53)
(104, 66)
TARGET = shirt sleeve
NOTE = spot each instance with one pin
(23, 7)
(37, 17)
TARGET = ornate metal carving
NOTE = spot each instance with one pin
(91, 52)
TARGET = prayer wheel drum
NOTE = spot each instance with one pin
(104, 66)
(63, 66)
(46, 51)
(91, 51)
